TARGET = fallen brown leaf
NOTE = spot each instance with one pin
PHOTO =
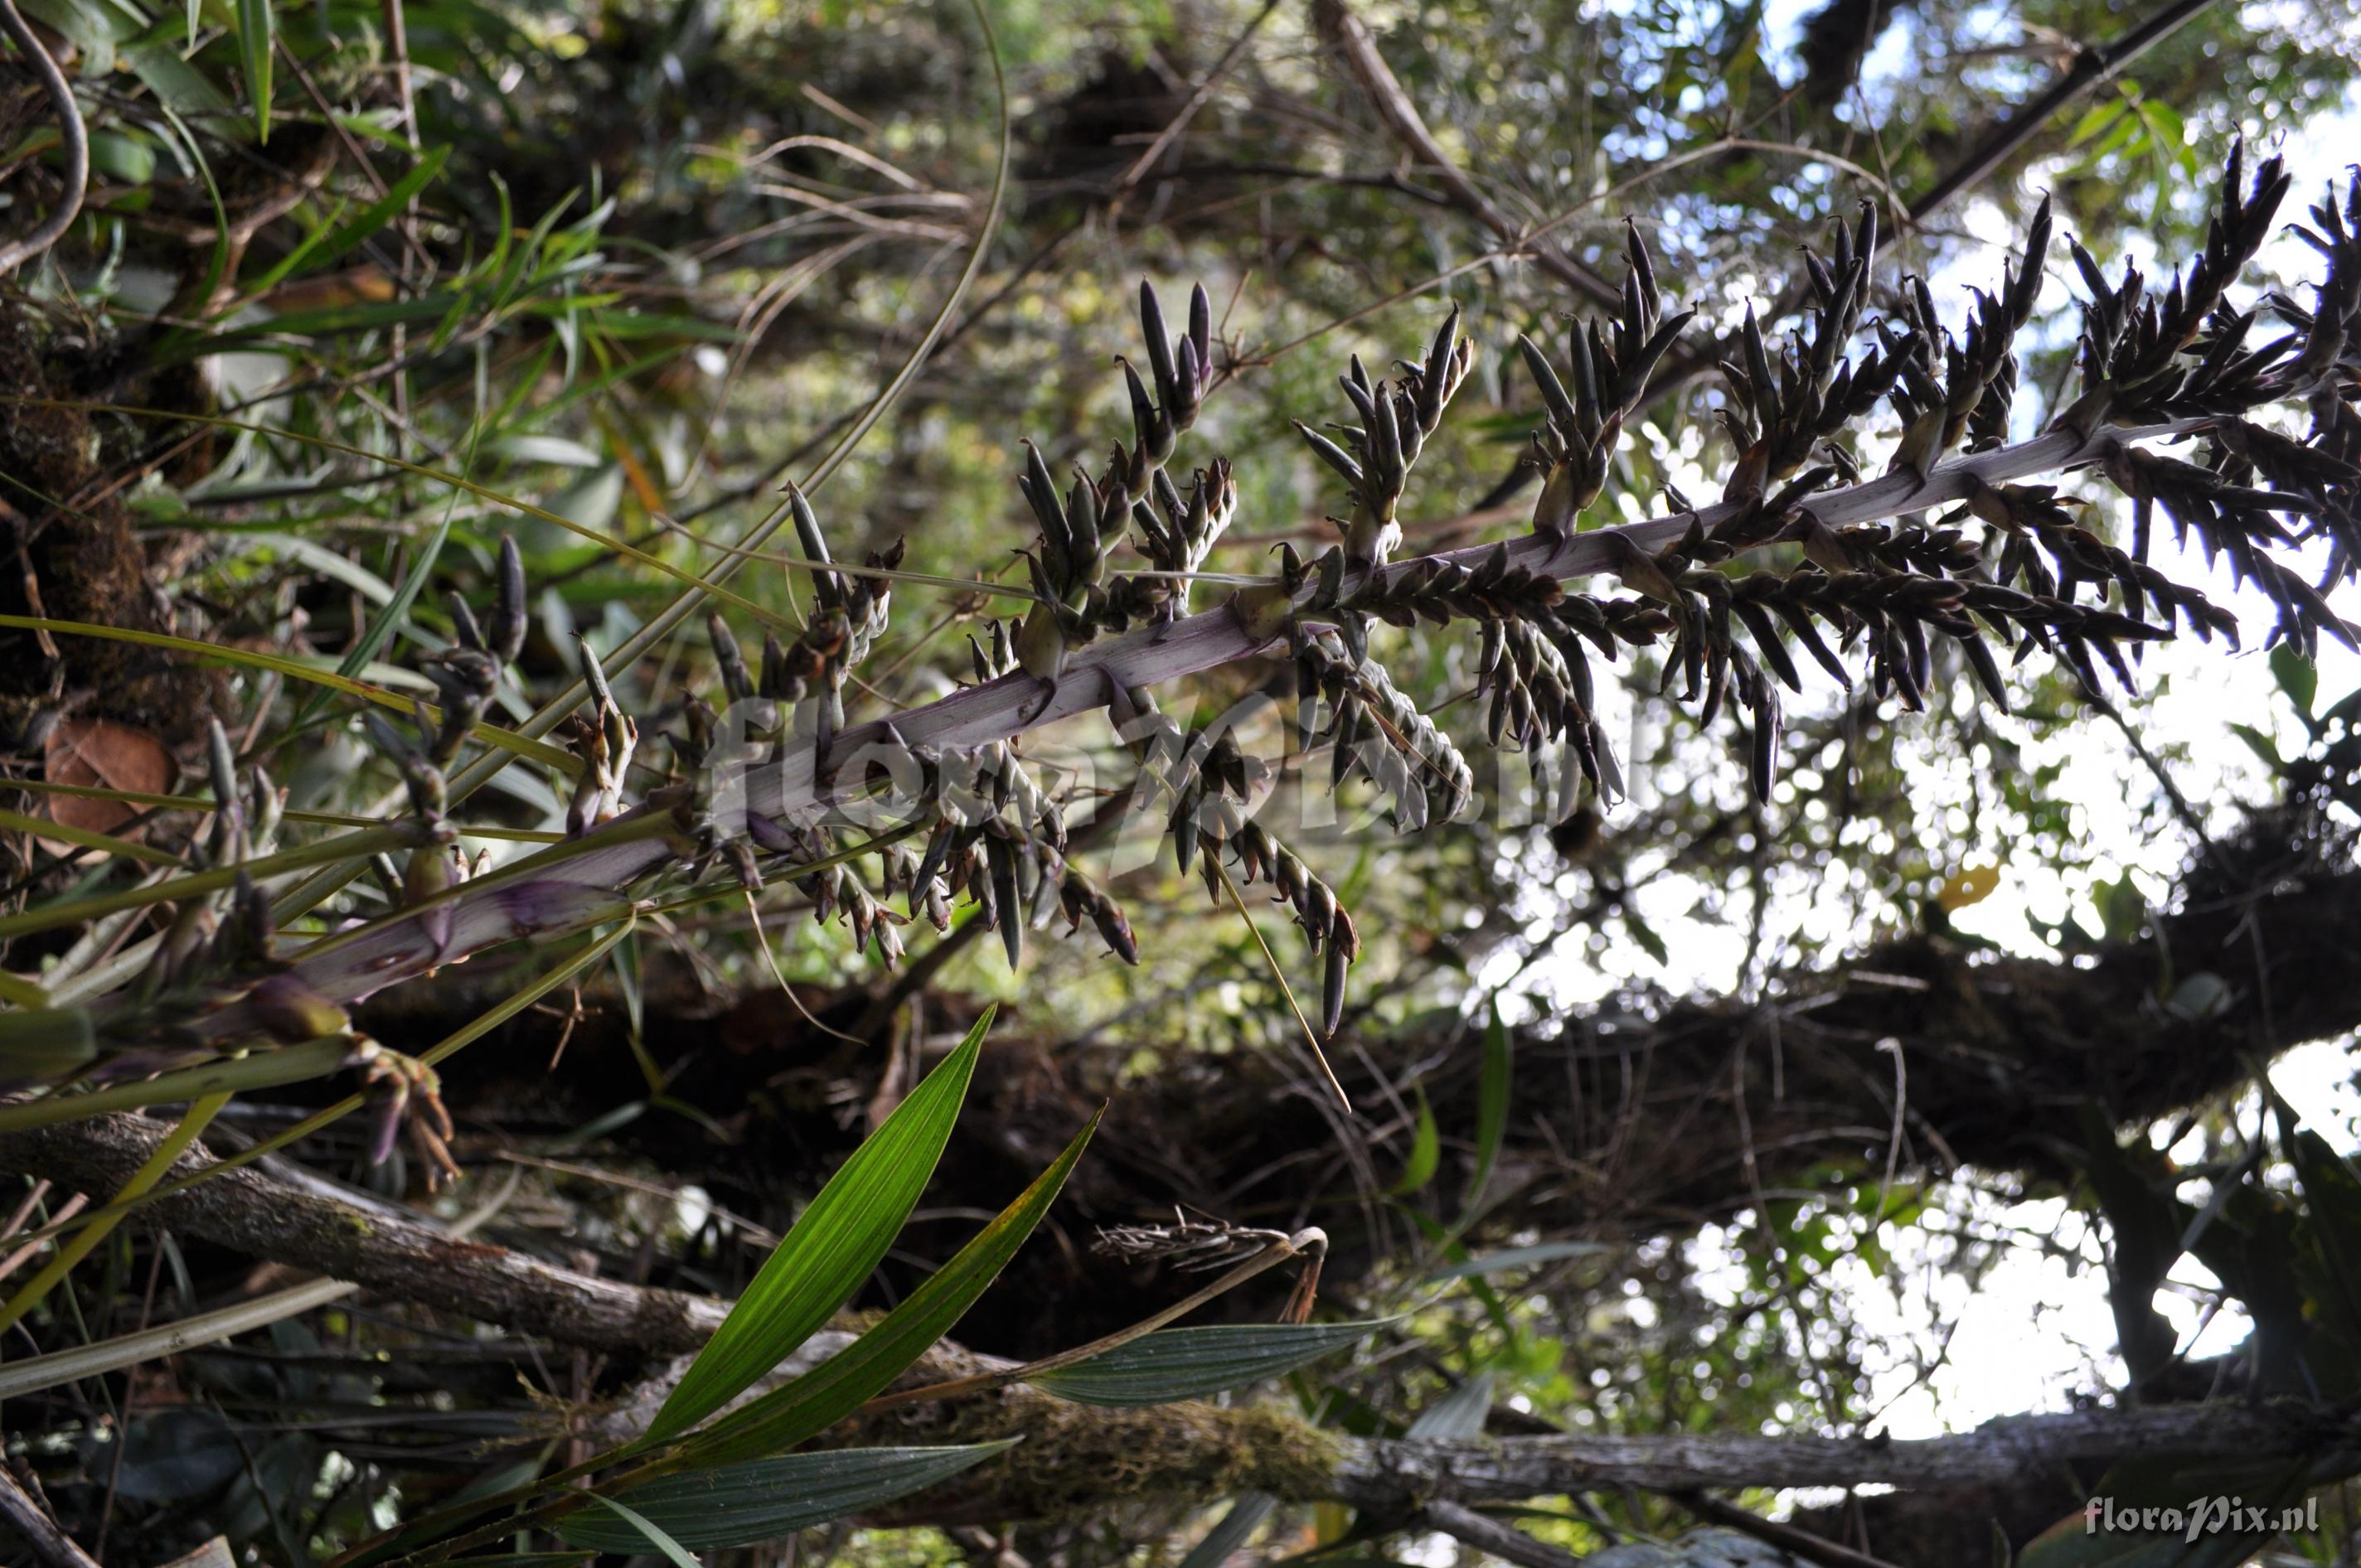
(102, 752)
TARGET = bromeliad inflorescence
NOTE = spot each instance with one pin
(1800, 553)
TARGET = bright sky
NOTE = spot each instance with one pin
(2038, 1329)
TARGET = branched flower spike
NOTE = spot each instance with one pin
(1610, 369)
(1396, 418)
(1070, 563)
(467, 674)
(1806, 394)
(1850, 574)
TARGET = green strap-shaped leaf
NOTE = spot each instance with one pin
(835, 1244)
(840, 1384)
(1183, 1364)
(739, 1505)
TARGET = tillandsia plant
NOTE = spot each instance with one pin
(1953, 547)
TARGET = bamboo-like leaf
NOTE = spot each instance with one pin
(1184, 1364)
(840, 1385)
(834, 1244)
(761, 1499)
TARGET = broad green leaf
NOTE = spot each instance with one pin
(637, 1531)
(1184, 1364)
(177, 85)
(838, 1385)
(126, 159)
(1458, 1414)
(2298, 676)
(1517, 1258)
(1491, 1104)
(1230, 1532)
(741, 1505)
(256, 26)
(834, 1244)
(1426, 1153)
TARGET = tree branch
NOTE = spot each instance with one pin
(1190, 1450)
(1350, 38)
(250, 1211)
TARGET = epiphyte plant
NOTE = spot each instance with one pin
(1957, 545)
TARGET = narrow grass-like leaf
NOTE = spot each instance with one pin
(834, 1244)
(257, 1069)
(1185, 1364)
(1426, 1153)
(1458, 1414)
(1491, 1105)
(255, 29)
(86, 838)
(741, 1505)
(1230, 1533)
(638, 1532)
(380, 213)
(293, 669)
(840, 1384)
(1516, 1258)
(96, 1227)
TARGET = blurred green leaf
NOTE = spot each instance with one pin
(1517, 1258)
(1425, 1152)
(1491, 1105)
(1458, 1414)
(2298, 676)
(2261, 744)
(1230, 1532)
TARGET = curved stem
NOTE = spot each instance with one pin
(73, 139)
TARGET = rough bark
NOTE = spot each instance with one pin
(68, 553)
(265, 1216)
